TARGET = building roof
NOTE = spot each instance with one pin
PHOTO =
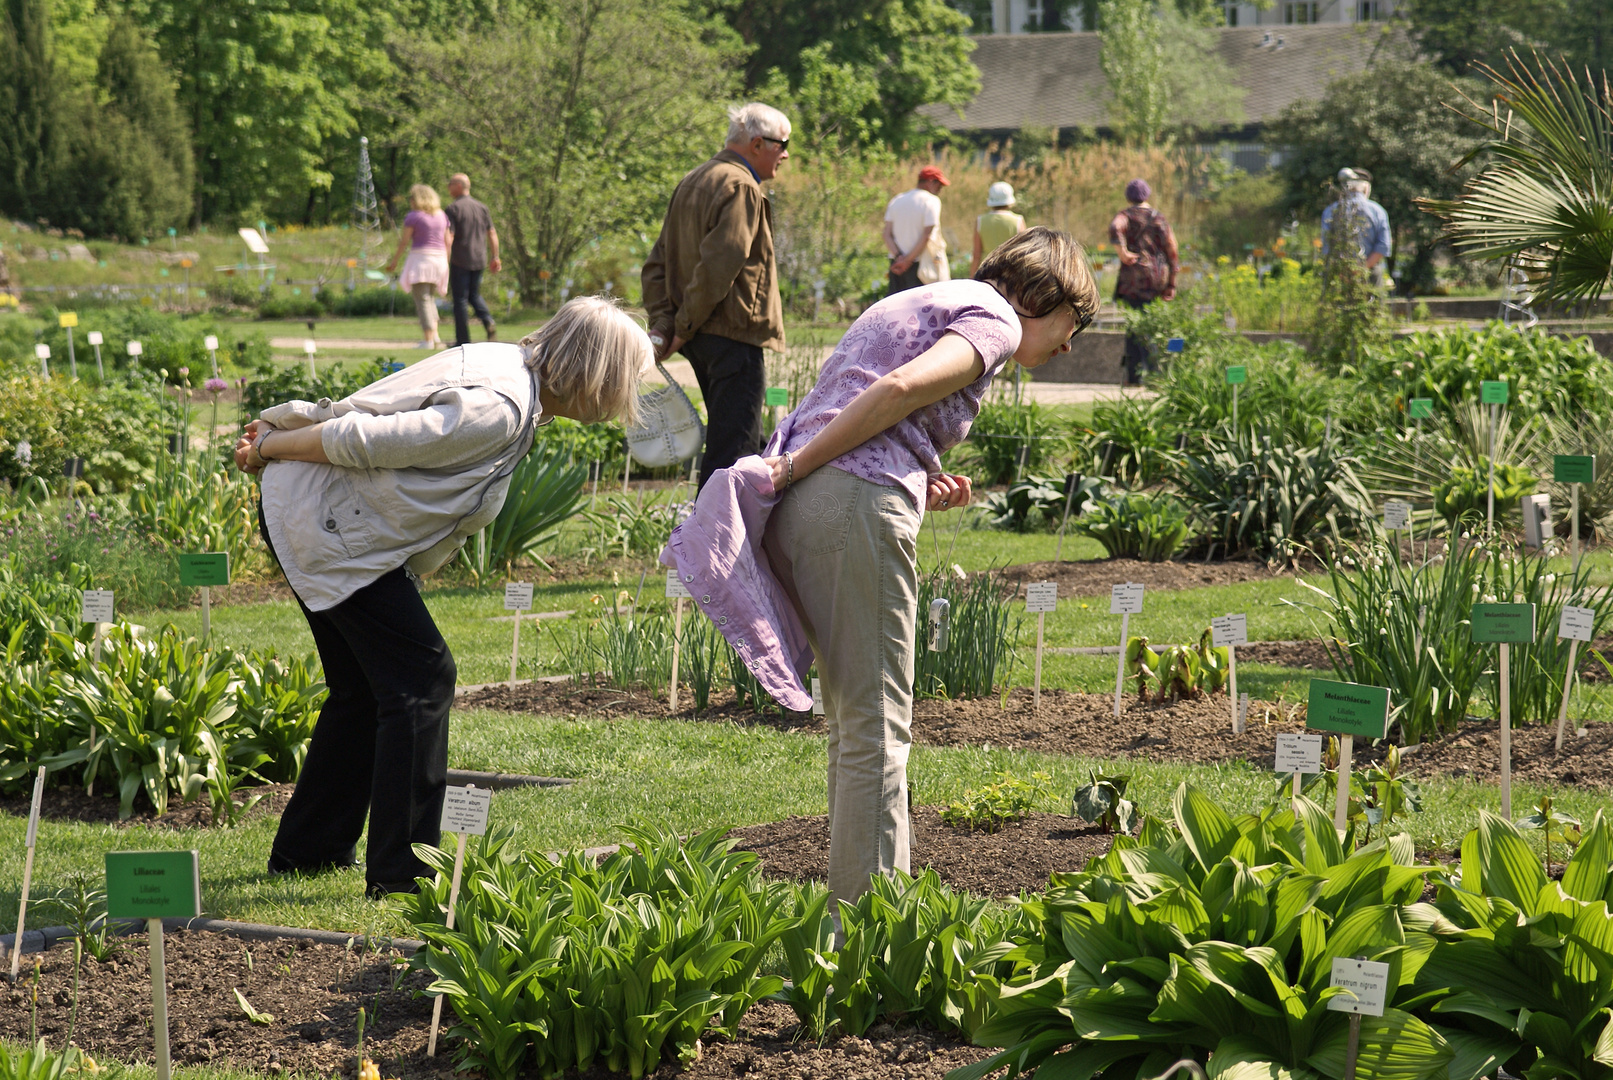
(1055, 80)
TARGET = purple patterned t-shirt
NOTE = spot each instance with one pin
(892, 333)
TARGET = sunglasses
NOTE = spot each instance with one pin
(1081, 321)
(783, 144)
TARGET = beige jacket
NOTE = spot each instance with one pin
(712, 269)
(420, 461)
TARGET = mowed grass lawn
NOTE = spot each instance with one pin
(691, 775)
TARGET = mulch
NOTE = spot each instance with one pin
(70, 803)
(1017, 857)
(314, 991)
(1095, 577)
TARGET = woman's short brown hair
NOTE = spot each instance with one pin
(1042, 268)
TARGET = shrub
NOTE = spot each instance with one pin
(1467, 492)
(1285, 395)
(545, 490)
(95, 545)
(117, 429)
(202, 506)
(169, 341)
(1257, 493)
(1008, 440)
(273, 384)
(988, 809)
(1132, 440)
(1136, 525)
(1046, 496)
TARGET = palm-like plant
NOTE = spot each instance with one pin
(1546, 201)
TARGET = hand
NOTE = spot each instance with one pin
(948, 492)
(899, 266)
(780, 471)
(390, 266)
(1128, 258)
(1169, 293)
(246, 457)
(497, 264)
(669, 348)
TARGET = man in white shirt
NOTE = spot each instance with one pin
(912, 222)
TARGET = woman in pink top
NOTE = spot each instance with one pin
(857, 465)
(427, 236)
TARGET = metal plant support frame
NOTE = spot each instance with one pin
(1515, 297)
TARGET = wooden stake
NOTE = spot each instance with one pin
(1506, 731)
(1234, 410)
(1232, 687)
(1125, 631)
(627, 472)
(1490, 500)
(1069, 497)
(515, 648)
(1341, 803)
(89, 788)
(27, 870)
(1299, 787)
(1036, 694)
(1352, 1046)
(1568, 682)
(207, 612)
(1573, 520)
(159, 999)
(453, 897)
(677, 645)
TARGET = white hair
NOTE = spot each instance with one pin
(1360, 187)
(590, 356)
(756, 121)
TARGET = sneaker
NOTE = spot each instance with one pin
(279, 864)
(380, 890)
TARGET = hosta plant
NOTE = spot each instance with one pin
(1216, 945)
(1103, 802)
(1137, 525)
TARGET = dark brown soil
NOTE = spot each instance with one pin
(314, 992)
(1474, 751)
(69, 803)
(1290, 654)
(1096, 577)
(1016, 858)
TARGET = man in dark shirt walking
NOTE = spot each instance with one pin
(467, 261)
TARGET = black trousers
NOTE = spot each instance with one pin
(466, 288)
(733, 380)
(1137, 358)
(908, 279)
(381, 744)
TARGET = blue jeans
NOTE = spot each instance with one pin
(466, 288)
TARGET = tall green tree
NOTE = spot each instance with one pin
(28, 108)
(916, 51)
(1394, 120)
(1133, 58)
(1466, 36)
(568, 119)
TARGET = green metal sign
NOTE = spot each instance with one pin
(778, 395)
(1422, 408)
(153, 885)
(1503, 623)
(212, 568)
(1493, 393)
(1237, 374)
(1348, 708)
(1574, 468)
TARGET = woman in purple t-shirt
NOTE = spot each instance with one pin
(859, 462)
(427, 236)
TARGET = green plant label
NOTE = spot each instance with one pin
(1493, 392)
(1574, 468)
(465, 810)
(1236, 374)
(1422, 408)
(212, 568)
(777, 395)
(1366, 983)
(1348, 708)
(1503, 623)
(153, 885)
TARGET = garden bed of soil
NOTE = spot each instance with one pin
(1095, 577)
(70, 803)
(1017, 857)
(314, 992)
(1473, 751)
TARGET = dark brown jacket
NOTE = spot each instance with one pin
(712, 268)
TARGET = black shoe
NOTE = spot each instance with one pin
(492, 332)
(279, 864)
(380, 890)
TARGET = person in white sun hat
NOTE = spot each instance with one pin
(997, 225)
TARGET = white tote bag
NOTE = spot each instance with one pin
(669, 430)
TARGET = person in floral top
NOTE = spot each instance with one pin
(856, 466)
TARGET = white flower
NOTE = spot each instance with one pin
(1489, 598)
(1475, 588)
(959, 572)
(1549, 578)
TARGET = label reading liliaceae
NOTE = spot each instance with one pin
(153, 885)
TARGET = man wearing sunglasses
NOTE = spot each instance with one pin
(711, 281)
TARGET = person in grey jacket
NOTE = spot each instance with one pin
(358, 498)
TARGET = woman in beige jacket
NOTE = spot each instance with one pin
(361, 496)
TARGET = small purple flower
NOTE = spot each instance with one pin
(184, 372)
(215, 386)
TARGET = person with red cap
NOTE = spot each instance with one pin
(913, 234)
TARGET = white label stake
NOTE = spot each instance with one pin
(1575, 624)
(207, 612)
(517, 598)
(159, 996)
(1127, 600)
(1041, 597)
(27, 869)
(98, 608)
(1228, 632)
(1506, 731)
(817, 697)
(677, 593)
(1341, 801)
(464, 813)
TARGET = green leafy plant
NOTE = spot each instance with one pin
(1137, 525)
(1467, 492)
(982, 641)
(1256, 493)
(1103, 802)
(83, 909)
(1132, 440)
(202, 507)
(545, 489)
(1044, 495)
(634, 526)
(701, 650)
(1548, 819)
(1142, 664)
(1006, 800)
(1388, 792)
(252, 1015)
(39, 1062)
(277, 704)
(1010, 440)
